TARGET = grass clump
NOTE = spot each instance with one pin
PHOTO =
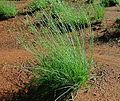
(63, 66)
(7, 9)
(98, 12)
(60, 10)
(37, 4)
(61, 13)
(68, 14)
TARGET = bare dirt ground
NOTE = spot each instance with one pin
(105, 79)
(12, 57)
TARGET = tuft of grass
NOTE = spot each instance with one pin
(63, 66)
(57, 13)
(60, 9)
(99, 12)
(7, 9)
(37, 4)
(67, 13)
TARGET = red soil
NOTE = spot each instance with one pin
(12, 58)
(105, 83)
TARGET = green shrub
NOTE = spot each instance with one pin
(7, 9)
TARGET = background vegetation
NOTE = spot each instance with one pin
(7, 9)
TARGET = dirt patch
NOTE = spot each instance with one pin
(13, 59)
(105, 85)
(12, 78)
